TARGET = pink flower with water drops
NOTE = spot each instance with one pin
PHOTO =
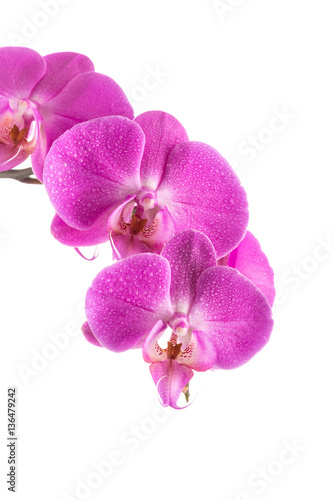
(249, 259)
(42, 97)
(139, 183)
(217, 317)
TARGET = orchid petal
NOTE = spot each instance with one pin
(250, 260)
(89, 95)
(170, 379)
(88, 259)
(200, 354)
(61, 68)
(114, 222)
(233, 313)
(151, 351)
(92, 168)
(189, 254)
(4, 106)
(10, 157)
(202, 192)
(49, 132)
(126, 245)
(126, 300)
(162, 132)
(21, 69)
(88, 334)
(161, 230)
(67, 235)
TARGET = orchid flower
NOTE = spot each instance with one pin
(218, 318)
(139, 182)
(249, 259)
(42, 97)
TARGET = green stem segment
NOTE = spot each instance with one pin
(22, 175)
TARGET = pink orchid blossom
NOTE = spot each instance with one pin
(218, 318)
(42, 97)
(140, 182)
(249, 259)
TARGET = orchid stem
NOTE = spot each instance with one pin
(22, 175)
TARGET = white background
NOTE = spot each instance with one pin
(225, 75)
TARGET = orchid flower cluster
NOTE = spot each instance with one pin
(173, 210)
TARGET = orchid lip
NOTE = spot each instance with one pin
(145, 229)
(173, 350)
(18, 126)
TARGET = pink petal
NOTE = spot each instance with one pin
(61, 68)
(170, 378)
(114, 225)
(150, 350)
(250, 260)
(162, 132)
(126, 300)
(10, 157)
(89, 95)
(49, 132)
(189, 254)
(75, 238)
(202, 192)
(92, 168)
(159, 232)
(21, 69)
(88, 259)
(126, 245)
(233, 313)
(89, 335)
(5, 113)
(200, 354)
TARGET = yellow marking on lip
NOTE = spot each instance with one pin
(18, 135)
